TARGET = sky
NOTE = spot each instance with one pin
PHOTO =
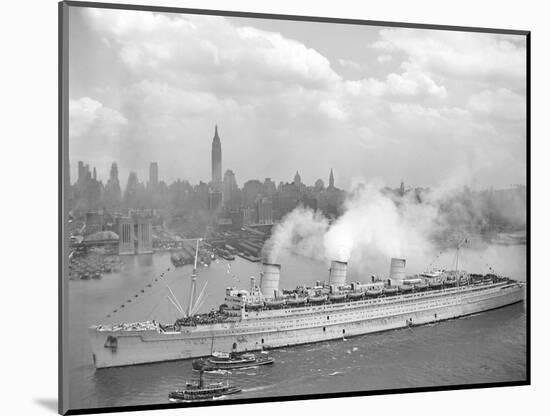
(425, 106)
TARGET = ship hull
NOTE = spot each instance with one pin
(297, 326)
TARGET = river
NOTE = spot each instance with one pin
(488, 347)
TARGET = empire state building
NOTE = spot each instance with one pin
(216, 161)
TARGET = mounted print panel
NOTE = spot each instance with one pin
(261, 208)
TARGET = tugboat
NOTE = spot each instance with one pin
(198, 391)
(229, 361)
(178, 259)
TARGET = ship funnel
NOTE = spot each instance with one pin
(338, 271)
(397, 270)
(269, 281)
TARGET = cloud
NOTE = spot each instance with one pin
(269, 93)
(350, 64)
(414, 84)
(382, 59)
(409, 84)
(94, 128)
(332, 109)
(501, 104)
(468, 56)
(88, 116)
(216, 55)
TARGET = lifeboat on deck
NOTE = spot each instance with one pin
(405, 288)
(317, 299)
(355, 295)
(390, 290)
(296, 301)
(336, 297)
(254, 306)
(275, 303)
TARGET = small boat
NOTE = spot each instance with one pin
(178, 259)
(316, 299)
(252, 306)
(295, 301)
(435, 284)
(275, 303)
(405, 288)
(355, 295)
(334, 297)
(233, 360)
(391, 290)
(432, 273)
(373, 292)
(227, 255)
(199, 391)
(421, 286)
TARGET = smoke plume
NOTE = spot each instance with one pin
(377, 224)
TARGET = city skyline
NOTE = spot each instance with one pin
(154, 166)
(216, 182)
(152, 170)
(369, 102)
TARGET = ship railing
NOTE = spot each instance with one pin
(443, 288)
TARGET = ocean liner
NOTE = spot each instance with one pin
(265, 317)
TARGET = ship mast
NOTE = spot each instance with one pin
(193, 290)
(457, 252)
(464, 240)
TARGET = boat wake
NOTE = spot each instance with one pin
(336, 373)
(218, 372)
(259, 388)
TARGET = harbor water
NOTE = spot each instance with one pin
(487, 347)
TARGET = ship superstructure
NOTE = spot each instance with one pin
(264, 317)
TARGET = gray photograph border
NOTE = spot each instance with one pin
(63, 184)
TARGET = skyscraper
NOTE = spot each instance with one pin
(216, 161)
(319, 185)
(113, 174)
(264, 210)
(113, 194)
(297, 179)
(153, 174)
(230, 190)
